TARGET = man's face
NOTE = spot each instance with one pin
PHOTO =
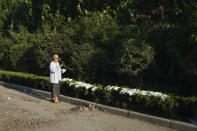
(56, 60)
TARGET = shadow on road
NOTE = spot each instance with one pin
(26, 90)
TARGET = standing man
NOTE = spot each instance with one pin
(55, 77)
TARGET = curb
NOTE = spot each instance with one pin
(151, 119)
(182, 126)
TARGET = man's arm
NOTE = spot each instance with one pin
(52, 68)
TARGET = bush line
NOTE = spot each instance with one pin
(170, 107)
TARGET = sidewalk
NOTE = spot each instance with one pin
(126, 113)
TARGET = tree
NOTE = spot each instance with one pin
(170, 26)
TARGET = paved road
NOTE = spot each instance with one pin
(20, 111)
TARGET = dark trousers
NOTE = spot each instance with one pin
(55, 92)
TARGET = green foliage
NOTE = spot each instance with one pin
(97, 28)
(182, 104)
(46, 45)
(79, 60)
(109, 46)
(33, 81)
(52, 18)
(14, 48)
(135, 57)
(168, 33)
(14, 13)
(107, 42)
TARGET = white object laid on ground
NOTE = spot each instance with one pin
(112, 87)
(131, 92)
(9, 98)
(81, 84)
(66, 79)
(94, 88)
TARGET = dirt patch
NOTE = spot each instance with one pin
(1, 99)
(30, 99)
(15, 119)
(83, 108)
(22, 124)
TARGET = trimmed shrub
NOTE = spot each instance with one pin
(170, 107)
(33, 81)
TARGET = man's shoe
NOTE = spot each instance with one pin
(56, 100)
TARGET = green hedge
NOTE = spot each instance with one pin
(181, 84)
(33, 81)
(146, 104)
(171, 107)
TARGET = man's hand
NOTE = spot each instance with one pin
(63, 70)
(61, 65)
